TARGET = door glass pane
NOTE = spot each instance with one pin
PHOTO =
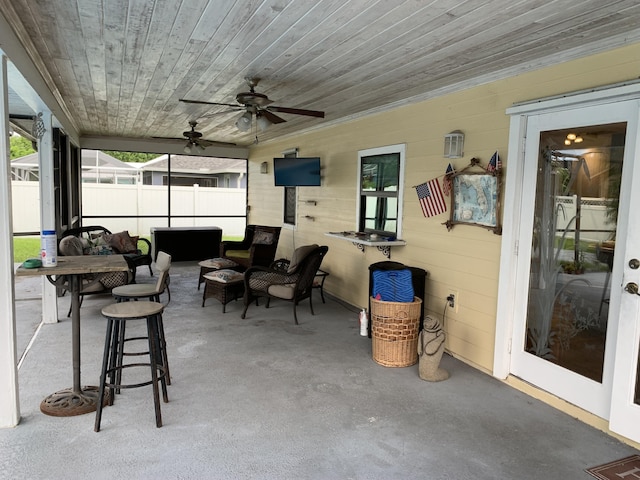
(578, 184)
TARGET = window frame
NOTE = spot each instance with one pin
(291, 153)
(400, 150)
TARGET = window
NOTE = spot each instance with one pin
(290, 196)
(380, 187)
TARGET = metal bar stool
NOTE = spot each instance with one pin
(149, 291)
(117, 315)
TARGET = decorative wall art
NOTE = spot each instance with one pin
(475, 195)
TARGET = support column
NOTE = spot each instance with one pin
(9, 402)
(47, 210)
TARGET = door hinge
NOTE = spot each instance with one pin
(516, 247)
(509, 346)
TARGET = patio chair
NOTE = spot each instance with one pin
(285, 280)
(258, 248)
(95, 283)
(121, 243)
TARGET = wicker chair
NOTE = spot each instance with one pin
(285, 280)
(258, 248)
(135, 258)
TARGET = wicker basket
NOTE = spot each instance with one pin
(394, 332)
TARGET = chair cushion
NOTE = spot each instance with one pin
(218, 263)
(299, 255)
(262, 237)
(285, 291)
(71, 246)
(238, 253)
(224, 276)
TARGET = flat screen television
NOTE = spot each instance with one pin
(296, 172)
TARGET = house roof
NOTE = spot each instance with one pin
(114, 73)
(90, 158)
(193, 164)
(179, 163)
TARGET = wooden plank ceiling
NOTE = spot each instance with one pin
(120, 66)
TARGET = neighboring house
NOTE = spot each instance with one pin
(99, 167)
(187, 170)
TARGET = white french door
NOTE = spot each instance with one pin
(575, 326)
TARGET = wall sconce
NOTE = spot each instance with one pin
(454, 144)
(264, 167)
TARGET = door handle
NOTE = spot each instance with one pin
(631, 288)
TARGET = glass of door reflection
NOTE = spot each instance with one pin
(573, 245)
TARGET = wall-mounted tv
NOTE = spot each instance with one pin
(296, 172)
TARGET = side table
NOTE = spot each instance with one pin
(318, 282)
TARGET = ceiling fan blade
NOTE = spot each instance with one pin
(204, 143)
(202, 102)
(296, 111)
(207, 143)
(272, 117)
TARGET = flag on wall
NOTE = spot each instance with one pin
(494, 163)
(446, 182)
(431, 198)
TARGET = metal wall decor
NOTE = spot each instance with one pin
(475, 196)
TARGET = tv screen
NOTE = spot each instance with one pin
(296, 172)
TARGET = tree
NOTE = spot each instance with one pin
(19, 146)
(132, 156)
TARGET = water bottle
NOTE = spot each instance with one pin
(364, 323)
(49, 248)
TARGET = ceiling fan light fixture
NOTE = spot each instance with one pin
(263, 122)
(187, 148)
(244, 122)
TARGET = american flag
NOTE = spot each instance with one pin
(431, 198)
(494, 163)
(446, 182)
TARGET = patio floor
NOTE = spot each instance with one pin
(262, 398)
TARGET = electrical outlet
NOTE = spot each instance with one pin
(452, 300)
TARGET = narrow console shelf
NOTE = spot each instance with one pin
(361, 240)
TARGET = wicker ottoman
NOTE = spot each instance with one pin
(224, 292)
(213, 264)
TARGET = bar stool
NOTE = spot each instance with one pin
(117, 315)
(149, 291)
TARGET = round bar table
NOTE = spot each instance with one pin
(69, 271)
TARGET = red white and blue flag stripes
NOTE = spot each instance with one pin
(431, 198)
(494, 163)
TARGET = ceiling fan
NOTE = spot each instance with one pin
(258, 105)
(195, 142)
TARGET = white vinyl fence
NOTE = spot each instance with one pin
(109, 199)
(594, 224)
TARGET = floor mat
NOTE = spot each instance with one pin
(628, 467)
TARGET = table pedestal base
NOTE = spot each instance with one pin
(68, 403)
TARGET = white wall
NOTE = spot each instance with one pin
(109, 199)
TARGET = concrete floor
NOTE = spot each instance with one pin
(262, 398)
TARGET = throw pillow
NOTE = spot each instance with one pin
(299, 255)
(224, 276)
(261, 237)
(121, 242)
(70, 246)
(220, 263)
